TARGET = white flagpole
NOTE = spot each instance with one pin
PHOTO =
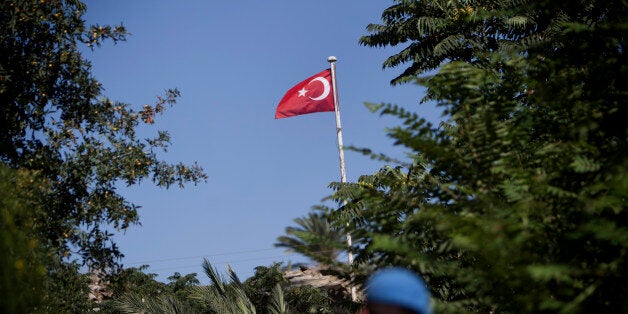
(343, 175)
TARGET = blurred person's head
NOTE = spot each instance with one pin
(396, 290)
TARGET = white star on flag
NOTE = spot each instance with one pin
(302, 92)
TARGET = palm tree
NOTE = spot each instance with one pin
(314, 238)
(222, 296)
(136, 303)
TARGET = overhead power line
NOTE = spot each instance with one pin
(209, 256)
(198, 256)
(232, 262)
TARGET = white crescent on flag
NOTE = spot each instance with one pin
(326, 88)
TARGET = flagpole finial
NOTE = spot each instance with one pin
(331, 59)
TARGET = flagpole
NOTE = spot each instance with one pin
(343, 174)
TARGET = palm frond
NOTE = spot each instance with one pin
(278, 303)
(136, 303)
(213, 275)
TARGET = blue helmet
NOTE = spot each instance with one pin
(400, 287)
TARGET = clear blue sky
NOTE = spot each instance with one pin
(233, 61)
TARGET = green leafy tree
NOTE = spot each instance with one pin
(179, 283)
(440, 31)
(517, 201)
(137, 280)
(181, 286)
(309, 299)
(24, 259)
(259, 288)
(31, 278)
(54, 119)
(66, 289)
(135, 290)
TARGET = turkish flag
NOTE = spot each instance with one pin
(315, 94)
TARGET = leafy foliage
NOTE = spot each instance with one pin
(309, 299)
(137, 280)
(439, 31)
(134, 290)
(53, 119)
(66, 289)
(23, 261)
(259, 288)
(182, 286)
(516, 202)
(31, 278)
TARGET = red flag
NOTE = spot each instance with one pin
(314, 94)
